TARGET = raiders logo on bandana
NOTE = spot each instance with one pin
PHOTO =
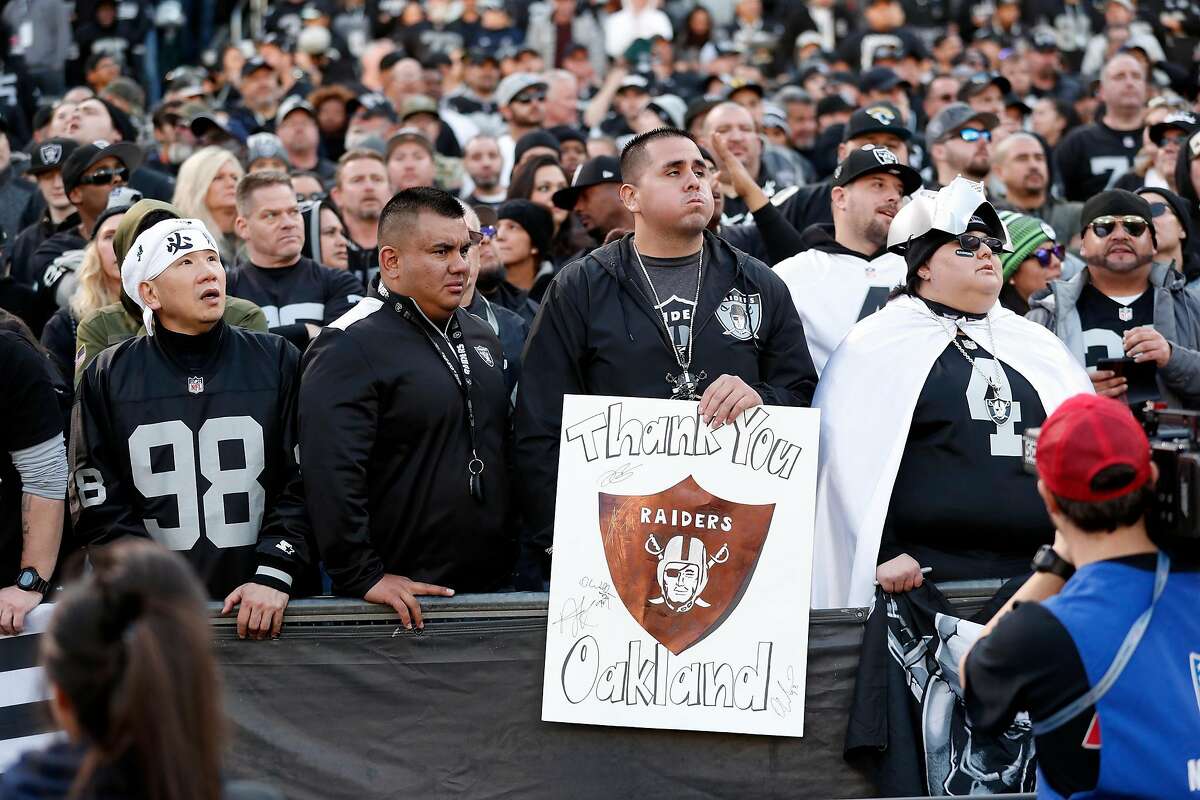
(485, 354)
(740, 315)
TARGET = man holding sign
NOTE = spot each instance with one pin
(671, 311)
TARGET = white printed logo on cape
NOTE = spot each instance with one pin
(740, 315)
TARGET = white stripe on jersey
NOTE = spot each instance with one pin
(363, 309)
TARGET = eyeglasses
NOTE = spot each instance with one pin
(969, 241)
(1042, 254)
(974, 135)
(1158, 209)
(103, 177)
(311, 197)
(1104, 226)
(1178, 140)
(531, 97)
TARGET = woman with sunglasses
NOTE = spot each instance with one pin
(923, 405)
(1176, 243)
(1035, 260)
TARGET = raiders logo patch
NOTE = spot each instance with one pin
(485, 354)
(740, 315)
(51, 153)
(884, 156)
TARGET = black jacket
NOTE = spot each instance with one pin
(384, 443)
(291, 297)
(597, 333)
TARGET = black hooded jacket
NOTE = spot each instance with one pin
(597, 333)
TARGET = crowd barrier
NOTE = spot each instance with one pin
(349, 704)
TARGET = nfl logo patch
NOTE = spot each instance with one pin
(195, 385)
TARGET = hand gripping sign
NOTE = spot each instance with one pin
(682, 558)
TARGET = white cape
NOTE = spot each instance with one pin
(867, 394)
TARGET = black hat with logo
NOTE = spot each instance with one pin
(868, 160)
(877, 118)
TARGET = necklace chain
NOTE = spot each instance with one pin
(683, 363)
(996, 382)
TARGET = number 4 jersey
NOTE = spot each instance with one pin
(190, 440)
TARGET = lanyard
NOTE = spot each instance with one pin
(461, 373)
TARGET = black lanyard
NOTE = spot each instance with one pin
(460, 373)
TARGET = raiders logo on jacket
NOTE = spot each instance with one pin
(305, 292)
(597, 332)
(190, 440)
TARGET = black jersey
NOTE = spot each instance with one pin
(305, 292)
(190, 440)
(962, 502)
(1092, 157)
(1104, 320)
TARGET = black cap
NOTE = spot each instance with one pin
(870, 159)
(373, 104)
(50, 155)
(593, 172)
(254, 64)
(478, 55)
(696, 108)
(1184, 121)
(881, 79)
(85, 157)
(876, 118)
(567, 133)
(833, 103)
(1044, 41)
(535, 138)
(982, 80)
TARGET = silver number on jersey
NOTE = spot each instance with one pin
(181, 480)
(1111, 341)
(1005, 441)
(290, 315)
(1113, 166)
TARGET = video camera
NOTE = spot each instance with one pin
(1175, 447)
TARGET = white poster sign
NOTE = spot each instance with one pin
(682, 555)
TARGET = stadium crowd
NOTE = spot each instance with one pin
(299, 293)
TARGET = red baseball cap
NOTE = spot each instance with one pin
(1084, 436)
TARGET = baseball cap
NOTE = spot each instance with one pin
(634, 81)
(205, 122)
(670, 108)
(477, 55)
(373, 104)
(264, 145)
(876, 118)
(86, 156)
(1084, 436)
(955, 117)
(409, 135)
(870, 159)
(982, 80)
(1181, 120)
(293, 103)
(254, 64)
(50, 155)
(1044, 40)
(418, 104)
(881, 79)
(516, 83)
(832, 104)
(593, 172)
(738, 84)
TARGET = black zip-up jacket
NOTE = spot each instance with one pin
(384, 444)
(597, 333)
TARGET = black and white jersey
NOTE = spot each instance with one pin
(305, 292)
(190, 440)
(962, 502)
(1092, 157)
(1104, 321)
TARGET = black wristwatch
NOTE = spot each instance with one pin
(30, 581)
(1048, 560)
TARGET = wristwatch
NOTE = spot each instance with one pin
(1048, 560)
(30, 581)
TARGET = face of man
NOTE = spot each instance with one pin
(630, 101)
(64, 122)
(491, 266)
(672, 192)
(482, 77)
(751, 101)
(1119, 251)
(959, 157)
(1168, 150)
(409, 165)
(869, 204)
(267, 165)
(888, 141)
(272, 226)
(51, 186)
(1043, 66)
(105, 72)
(737, 126)
(528, 108)
(430, 265)
(1024, 168)
(189, 296)
(942, 92)
(299, 133)
(600, 210)
(94, 123)
(90, 197)
(990, 99)
(681, 580)
(428, 124)
(714, 185)
(579, 65)
(1123, 84)
(562, 99)
(802, 119)
(334, 250)
(483, 163)
(260, 89)
(307, 187)
(571, 154)
(363, 189)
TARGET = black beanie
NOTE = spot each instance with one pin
(1116, 203)
(538, 138)
(536, 221)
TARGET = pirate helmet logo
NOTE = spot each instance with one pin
(681, 559)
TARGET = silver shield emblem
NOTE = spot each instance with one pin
(51, 153)
(740, 315)
(485, 354)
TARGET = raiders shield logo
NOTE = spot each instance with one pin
(51, 153)
(195, 385)
(681, 559)
(485, 354)
(740, 315)
(884, 156)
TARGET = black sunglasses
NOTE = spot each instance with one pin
(531, 97)
(1042, 254)
(312, 197)
(969, 241)
(103, 177)
(1158, 209)
(1165, 140)
(1133, 225)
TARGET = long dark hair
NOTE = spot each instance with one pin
(130, 648)
(570, 237)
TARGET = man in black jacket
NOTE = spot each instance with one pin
(669, 300)
(404, 423)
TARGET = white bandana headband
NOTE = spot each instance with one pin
(156, 249)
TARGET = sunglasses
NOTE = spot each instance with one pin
(1042, 254)
(971, 242)
(103, 177)
(1178, 141)
(1104, 226)
(309, 198)
(532, 97)
(1158, 209)
(974, 135)
(487, 231)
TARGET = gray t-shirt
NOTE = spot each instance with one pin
(675, 282)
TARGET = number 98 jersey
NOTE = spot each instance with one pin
(196, 449)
